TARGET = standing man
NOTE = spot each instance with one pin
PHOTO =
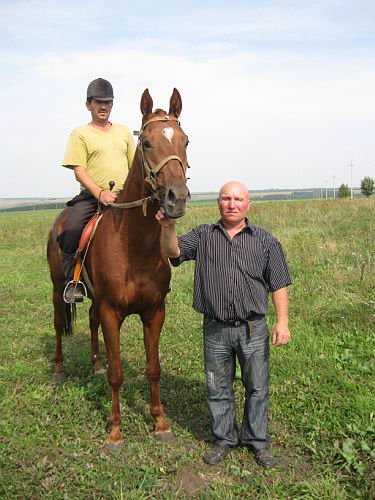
(98, 152)
(237, 265)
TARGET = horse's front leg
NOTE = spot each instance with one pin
(94, 327)
(111, 331)
(151, 328)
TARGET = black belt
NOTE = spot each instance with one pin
(239, 322)
(231, 322)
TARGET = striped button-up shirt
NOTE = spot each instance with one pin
(233, 276)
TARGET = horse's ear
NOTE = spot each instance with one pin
(175, 104)
(146, 103)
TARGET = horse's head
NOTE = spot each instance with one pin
(162, 149)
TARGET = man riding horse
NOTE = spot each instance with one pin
(98, 152)
(124, 265)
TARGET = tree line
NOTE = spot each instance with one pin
(367, 188)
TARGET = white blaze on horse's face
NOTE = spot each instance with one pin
(168, 133)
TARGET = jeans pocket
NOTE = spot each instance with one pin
(260, 328)
(209, 324)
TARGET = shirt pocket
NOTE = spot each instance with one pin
(251, 265)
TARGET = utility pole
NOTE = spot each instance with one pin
(334, 192)
(351, 178)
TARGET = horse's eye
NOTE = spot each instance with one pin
(146, 144)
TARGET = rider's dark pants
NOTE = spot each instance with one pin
(82, 208)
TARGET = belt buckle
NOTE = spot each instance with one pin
(237, 322)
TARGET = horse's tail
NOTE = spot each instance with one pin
(70, 316)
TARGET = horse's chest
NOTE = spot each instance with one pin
(143, 285)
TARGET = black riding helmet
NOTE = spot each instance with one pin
(100, 89)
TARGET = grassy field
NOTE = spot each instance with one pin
(322, 419)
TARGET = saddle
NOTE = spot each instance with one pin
(76, 290)
(87, 231)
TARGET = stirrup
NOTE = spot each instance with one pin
(69, 294)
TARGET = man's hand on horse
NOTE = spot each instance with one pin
(163, 220)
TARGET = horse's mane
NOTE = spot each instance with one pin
(157, 112)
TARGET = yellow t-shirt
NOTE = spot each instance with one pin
(106, 156)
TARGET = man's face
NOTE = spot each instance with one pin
(100, 110)
(233, 203)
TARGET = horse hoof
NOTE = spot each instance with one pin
(59, 377)
(101, 372)
(165, 437)
(111, 447)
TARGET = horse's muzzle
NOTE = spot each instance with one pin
(175, 200)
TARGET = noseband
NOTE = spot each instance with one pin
(151, 173)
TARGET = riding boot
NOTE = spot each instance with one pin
(74, 291)
(68, 262)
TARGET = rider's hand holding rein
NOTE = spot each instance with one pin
(107, 197)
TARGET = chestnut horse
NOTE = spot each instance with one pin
(127, 271)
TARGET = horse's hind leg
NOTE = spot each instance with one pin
(94, 327)
(151, 329)
(59, 323)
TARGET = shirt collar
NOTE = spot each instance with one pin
(248, 228)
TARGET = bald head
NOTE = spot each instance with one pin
(234, 187)
(233, 204)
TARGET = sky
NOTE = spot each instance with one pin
(275, 93)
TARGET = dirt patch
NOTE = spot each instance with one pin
(190, 482)
(300, 464)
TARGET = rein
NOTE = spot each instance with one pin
(151, 173)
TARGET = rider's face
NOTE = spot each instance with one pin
(100, 110)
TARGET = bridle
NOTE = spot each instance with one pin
(151, 172)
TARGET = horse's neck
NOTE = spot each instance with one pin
(135, 189)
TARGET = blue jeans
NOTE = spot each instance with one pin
(222, 344)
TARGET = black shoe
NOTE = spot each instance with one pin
(215, 455)
(74, 292)
(264, 458)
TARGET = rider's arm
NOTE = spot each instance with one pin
(131, 150)
(83, 177)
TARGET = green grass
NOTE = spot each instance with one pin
(322, 419)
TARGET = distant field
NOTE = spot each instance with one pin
(21, 202)
(7, 203)
(322, 419)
